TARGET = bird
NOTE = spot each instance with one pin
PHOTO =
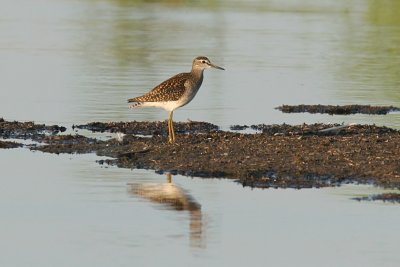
(175, 92)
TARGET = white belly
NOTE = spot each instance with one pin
(167, 105)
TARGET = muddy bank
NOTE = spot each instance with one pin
(339, 110)
(300, 156)
(7, 144)
(265, 160)
(385, 197)
(27, 130)
(148, 128)
(318, 129)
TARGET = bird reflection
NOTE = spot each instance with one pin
(174, 197)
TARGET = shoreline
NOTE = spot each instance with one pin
(278, 156)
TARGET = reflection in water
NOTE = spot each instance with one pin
(170, 195)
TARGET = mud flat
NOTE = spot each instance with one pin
(27, 130)
(339, 110)
(283, 155)
(148, 128)
(7, 144)
(385, 197)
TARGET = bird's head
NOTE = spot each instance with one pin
(204, 63)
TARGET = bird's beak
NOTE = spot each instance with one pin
(216, 67)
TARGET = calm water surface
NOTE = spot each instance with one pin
(78, 61)
(67, 211)
(67, 62)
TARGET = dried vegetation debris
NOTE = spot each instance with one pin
(262, 160)
(316, 129)
(148, 128)
(339, 110)
(385, 197)
(27, 130)
(278, 156)
(7, 144)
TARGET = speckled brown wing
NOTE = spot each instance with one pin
(169, 90)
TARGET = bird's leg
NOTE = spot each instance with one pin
(171, 137)
(172, 129)
(169, 128)
(169, 178)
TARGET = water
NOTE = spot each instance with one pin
(78, 61)
(67, 62)
(67, 211)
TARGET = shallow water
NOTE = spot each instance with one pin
(67, 211)
(76, 213)
(78, 61)
(67, 62)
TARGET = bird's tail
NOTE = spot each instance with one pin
(135, 104)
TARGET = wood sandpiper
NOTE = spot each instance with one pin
(175, 92)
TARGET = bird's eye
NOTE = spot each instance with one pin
(203, 61)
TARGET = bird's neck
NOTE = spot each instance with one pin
(197, 73)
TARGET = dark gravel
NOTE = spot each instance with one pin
(7, 144)
(27, 130)
(385, 197)
(338, 110)
(148, 128)
(278, 156)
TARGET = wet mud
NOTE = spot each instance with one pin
(339, 110)
(7, 144)
(27, 130)
(301, 156)
(385, 197)
(148, 128)
(317, 129)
